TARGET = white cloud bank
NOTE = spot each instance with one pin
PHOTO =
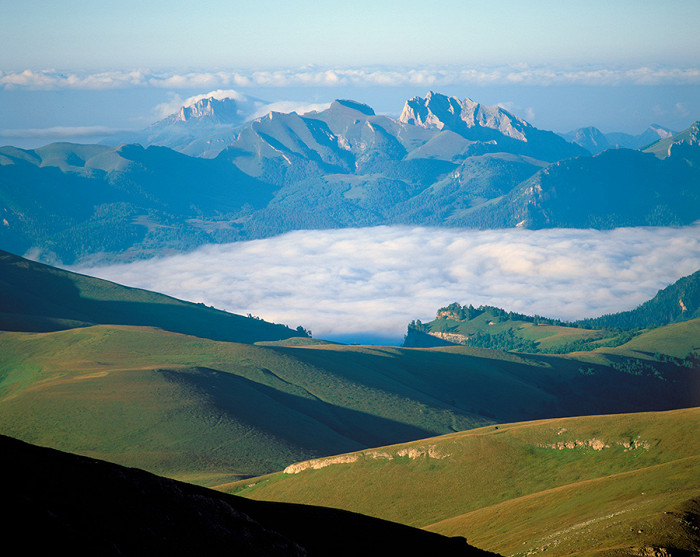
(360, 283)
(249, 108)
(58, 132)
(329, 77)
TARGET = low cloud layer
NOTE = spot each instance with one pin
(371, 282)
(328, 77)
(58, 132)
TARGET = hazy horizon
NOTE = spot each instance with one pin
(76, 71)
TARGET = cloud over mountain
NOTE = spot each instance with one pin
(376, 280)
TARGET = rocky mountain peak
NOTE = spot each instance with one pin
(216, 110)
(461, 116)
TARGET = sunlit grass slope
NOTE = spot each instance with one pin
(677, 339)
(568, 486)
(208, 411)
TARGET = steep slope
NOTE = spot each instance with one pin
(487, 124)
(37, 297)
(570, 486)
(677, 302)
(89, 507)
(73, 201)
(615, 188)
(679, 144)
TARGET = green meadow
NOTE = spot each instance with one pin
(583, 485)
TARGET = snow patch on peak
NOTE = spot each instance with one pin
(354, 105)
(219, 95)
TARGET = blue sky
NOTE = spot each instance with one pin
(96, 34)
(79, 64)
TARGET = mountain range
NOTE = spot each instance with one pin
(595, 141)
(443, 162)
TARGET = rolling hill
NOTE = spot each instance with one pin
(205, 411)
(211, 411)
(88, 507)
(624, 485)
(38, 297)
(492, 327)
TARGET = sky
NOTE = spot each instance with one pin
(357, 285)
(81, 69)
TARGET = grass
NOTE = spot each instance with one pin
(512, 490)
(677, 339)
(545, 337)
(189, 407)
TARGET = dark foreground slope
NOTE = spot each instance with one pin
(37, 297)
(59, 502)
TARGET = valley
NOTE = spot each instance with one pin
(521, 433)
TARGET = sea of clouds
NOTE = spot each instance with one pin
(522, 74)
(366, 284)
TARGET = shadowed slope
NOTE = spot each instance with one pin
(37, 297)
(89, 507)
(211, 411)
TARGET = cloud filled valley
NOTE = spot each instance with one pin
(366, 284)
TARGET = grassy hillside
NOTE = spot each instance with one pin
(89, 507)
(37, 297)
(208, 411)
(570, 486)
(492, 327)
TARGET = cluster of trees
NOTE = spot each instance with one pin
(467, 313)
(506, 340)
